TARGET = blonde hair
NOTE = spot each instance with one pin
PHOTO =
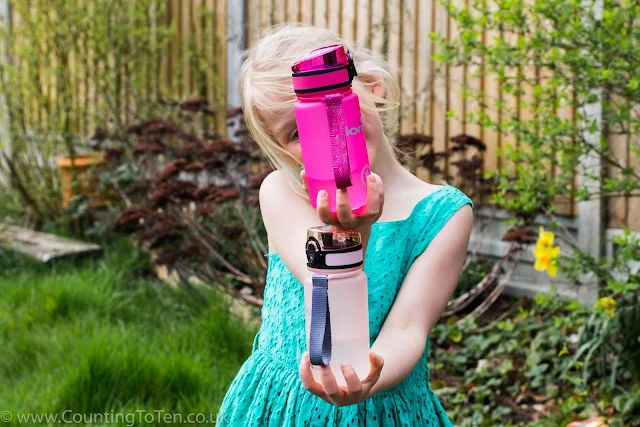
(266, 87)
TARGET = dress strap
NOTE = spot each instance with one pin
(432, 217)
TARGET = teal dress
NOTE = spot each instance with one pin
(268, 391)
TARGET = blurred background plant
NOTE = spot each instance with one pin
(71, 67)
(564, 61)
(192, 198)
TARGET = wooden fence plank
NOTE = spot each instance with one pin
(408, 57)
(333, 16)
(185, 36)
(363, 8)
(567, 204)
(378, 24)
(210, 31)
(253, 21)
(90, 93)
(511, 103)
(440, 99)
(265, 8)
(293, 11)
(492, 99)
(175, 50)
(618, 207)
(221, 66)
(424, 105)
(424, 66)
(348, 20)
(279, 12)
(475, 86)
(457, 85)
(633, 215)
(393, 46)
(198, 86)
(306, 9)
(320, 13)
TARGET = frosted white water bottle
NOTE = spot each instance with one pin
(336, 302)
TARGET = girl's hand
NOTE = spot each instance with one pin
(344, 218)
(328, 390)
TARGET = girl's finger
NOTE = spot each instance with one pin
(307, 376)
(303, 176)
(323, 207)
(380, 191)
(376, 363)
(351, 378)
(373, 199)
(343, 208)
(329, 384)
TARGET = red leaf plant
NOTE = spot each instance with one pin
(198, 214)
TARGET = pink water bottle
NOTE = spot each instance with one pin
(336, 302)
(334, 149)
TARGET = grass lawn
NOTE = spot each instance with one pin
(101, 336)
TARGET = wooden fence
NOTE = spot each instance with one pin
(202, 21)
(193, 62)
(400, 30)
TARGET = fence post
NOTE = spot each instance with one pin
(591, 213)
(236, 44)
(5, 134)
(5, 22)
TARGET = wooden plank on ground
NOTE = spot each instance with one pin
(42, 246)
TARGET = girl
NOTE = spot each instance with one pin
(415, 237)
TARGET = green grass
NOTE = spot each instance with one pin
(101, 335)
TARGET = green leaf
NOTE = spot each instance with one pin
(564, 350)
(455, 334)
(506, 366)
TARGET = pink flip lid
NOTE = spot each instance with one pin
(323, 58)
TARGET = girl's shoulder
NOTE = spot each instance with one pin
(440, 203)
(278, 200)
(276, 192)
(421, 199)
(439, 206)
(285, 214)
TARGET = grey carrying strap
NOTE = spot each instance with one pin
(320, 329)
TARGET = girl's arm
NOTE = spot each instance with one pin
(287, 216)
(422, 298)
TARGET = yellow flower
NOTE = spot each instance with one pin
(546, 254)
(546, 259)
(608, 305)
(545, 238)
